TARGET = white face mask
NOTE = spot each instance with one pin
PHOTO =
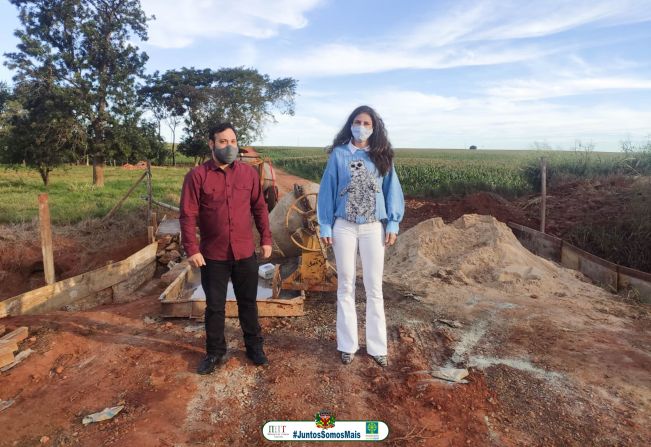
(361, 133)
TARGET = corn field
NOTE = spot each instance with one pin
(441, 172)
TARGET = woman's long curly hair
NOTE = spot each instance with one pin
(380, 150)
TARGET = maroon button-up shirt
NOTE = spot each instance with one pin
(223, 202)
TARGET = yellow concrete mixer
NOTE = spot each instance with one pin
(295, 232)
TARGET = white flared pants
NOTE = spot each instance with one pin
(347, 238)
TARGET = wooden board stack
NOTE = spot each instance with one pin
(9, 344)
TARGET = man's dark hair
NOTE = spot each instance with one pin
(219, 128)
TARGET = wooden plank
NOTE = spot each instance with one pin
(570, 258)
(8, 346)
(149, 194)
(6, 358)
(644, 276)
(154, 221)
(538, 243)
(46, 238)
(174, 291)
(602, 275)
(642, 287)
(119, 204)
(22, 355)
(178, 309)
(543, 193)
(599, 270)
(123, 292)
(17, 335)
(67, 291)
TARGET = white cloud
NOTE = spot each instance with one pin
(519, 90)
(416, 119)
(342, 59)
(474, 33)
(179, 23)
(512, 19)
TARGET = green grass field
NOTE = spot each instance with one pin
(422, 172)
(72, 197)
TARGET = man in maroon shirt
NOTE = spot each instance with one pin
(221, 196)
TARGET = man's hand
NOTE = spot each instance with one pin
(326, 241)
(390, 239)
(197, 260)
(266, 251)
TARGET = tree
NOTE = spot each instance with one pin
(134, 140)
(163, 98)
(43, 132)
(5, 95)
(86, 46)
(246, 98)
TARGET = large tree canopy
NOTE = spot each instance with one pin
(44, 132)
(243, 96)
(85, 47)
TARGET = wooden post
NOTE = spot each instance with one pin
(151, 237)
(148, 193)
(119, 204)
(543, 191)
(154, 221)
(46, 238)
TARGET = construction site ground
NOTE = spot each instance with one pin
(553, 359)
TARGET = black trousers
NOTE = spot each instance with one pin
(214, 279)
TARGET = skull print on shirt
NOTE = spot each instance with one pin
(361, 193)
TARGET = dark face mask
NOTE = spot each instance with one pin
(226, 155)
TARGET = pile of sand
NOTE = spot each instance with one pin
(473, 249)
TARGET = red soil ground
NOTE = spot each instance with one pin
(86, 361)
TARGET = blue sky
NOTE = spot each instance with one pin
(443, 74)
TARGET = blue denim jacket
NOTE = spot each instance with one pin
(352, 189)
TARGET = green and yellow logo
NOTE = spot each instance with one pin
(372, 428)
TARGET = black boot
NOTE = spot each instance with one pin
(208, 364)
(257, 356)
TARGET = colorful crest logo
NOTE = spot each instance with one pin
(324, 419)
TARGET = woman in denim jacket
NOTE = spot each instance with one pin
(360, 206)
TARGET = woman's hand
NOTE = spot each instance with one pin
(326, 241)
(390, 239)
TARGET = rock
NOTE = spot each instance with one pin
(451, 323)
(59, 369)
(172, 246)
(451, 374)
(45, 439)
(168, 256)
(170, 276)
(512, 273)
